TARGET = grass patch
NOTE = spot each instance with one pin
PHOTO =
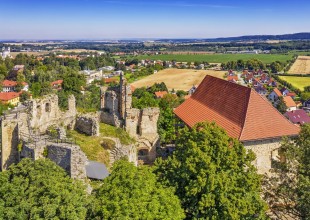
(96, 148)
(218, 58)
(111, 131)
(299, 82)
(91, 146)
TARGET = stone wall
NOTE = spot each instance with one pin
(110, 108)
(148, 123)
(68, 156)
(132, 122)
(9, 142)
(120, 151)
(265, 151)
(45, 112)
(88, 124)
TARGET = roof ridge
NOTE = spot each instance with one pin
(246, 113)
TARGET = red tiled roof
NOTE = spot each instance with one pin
(57, 82)
(291, 94)
(232, 78)
(6, 96)
(277, 91)
(9, 83)
(241, 111)
(110, 80)
(160, 94)
(298, 116)
(289, 101)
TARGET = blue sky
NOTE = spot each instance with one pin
(107, 19)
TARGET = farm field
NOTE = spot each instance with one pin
(301, 65)
(297, 81)
(178, 79)
(218, 58)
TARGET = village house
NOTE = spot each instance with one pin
(10, 86)
(11, 98)
(57, 85)
(290, 104)
(274, 95)
(233, 78)
(243, 113)
(5, 52)
(298, 116)
(92, 75)
(17, 69)
(284, 91)
(306, 105)
(160, 94)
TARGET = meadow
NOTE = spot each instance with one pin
(217, 58)
(299, 82)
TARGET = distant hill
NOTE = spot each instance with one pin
(296, 36)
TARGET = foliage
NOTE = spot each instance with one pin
(40, 190)
(108, 144)
(305, 96)
(276, 67)
(253, 64)
(217, 58)
(132, 192)
(111, 131)
(213, 175)
(146, 100)
(287, 190)
(24, 96)
(281, 106)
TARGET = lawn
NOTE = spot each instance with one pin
(92, 146)
(297, 81)
(218, 58)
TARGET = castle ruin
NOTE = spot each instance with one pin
(116, 110)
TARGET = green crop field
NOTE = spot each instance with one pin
(217, 58)
(297, 81)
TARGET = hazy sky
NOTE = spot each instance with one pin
(104, 19)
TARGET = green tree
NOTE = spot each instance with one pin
(288, 189)
(40, 190)
(132, 192)
(275, 67)
(213, 175)
(281, 106)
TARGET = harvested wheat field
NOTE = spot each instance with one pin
(301, 65)
(178, 79)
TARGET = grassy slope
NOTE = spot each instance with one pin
(219, 58)
(297, 81)
(91, 146)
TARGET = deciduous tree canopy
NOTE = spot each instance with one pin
(213, 175)
(40, 190)
(132, 192)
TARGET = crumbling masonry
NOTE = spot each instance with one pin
(116, 110)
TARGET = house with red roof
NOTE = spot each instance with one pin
(298, 116)
(160, 94)
(10, 86)
(243, 114)
(57, 84)
(9, 98)
(274, 95)
(290, 104)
